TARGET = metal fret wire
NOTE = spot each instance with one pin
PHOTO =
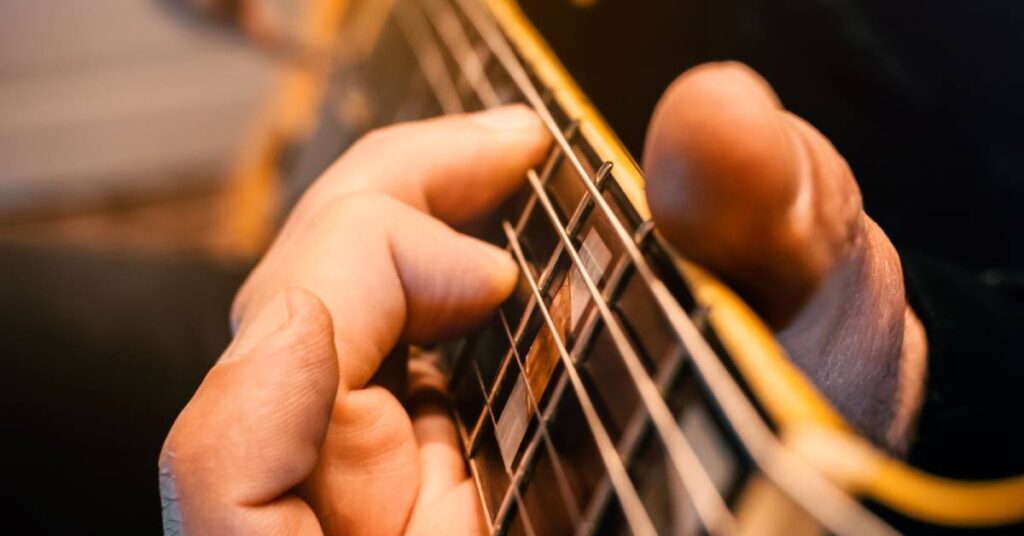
(501, 516)
(837, 511)
(707, 501)
(834, 509)
(492, 391)
(633, 432)
(535, 443)
(543, 434)
(707, 488)
(716, 517)
(625, 349)
(636, 515)
(433, 66)
(428, 56)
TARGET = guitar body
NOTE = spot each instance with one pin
(621, 389)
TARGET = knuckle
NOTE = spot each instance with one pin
(309, 308)
(354, 171)
(362, 216)
(244, 297)
(378, 139)
(353, 210)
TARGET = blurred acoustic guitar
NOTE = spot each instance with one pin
(622, 389)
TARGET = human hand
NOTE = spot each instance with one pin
(736, 183)
(760, 197)
(287, 434)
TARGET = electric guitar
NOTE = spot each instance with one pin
(621, 389)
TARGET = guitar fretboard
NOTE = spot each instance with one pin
(597, 399)
(556, 433)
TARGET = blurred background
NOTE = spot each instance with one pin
(120, 125)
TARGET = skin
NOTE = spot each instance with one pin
(760, 197)
(293, 431)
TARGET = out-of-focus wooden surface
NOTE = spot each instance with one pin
(118, 98)
(120, 123)
(180, 223)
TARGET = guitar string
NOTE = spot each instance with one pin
(636, 515)
(542, 436)
(832, 507)
(706, 487)
(707, 501)
(633, 433)
(427, 67)
(501, 515)
(693, 461)
(456, 39)
(546, 275)
(475, 471)
(446, 24)
(692, 473)
(512, 494)
(492, 390)
(836, 510)
(428, 57)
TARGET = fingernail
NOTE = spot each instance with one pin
(271, 317)
(515, 117)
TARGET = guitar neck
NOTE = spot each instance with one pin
(621, 389)
(599, 398)
(593, 400)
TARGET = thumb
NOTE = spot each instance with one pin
(763, 199)
(748, 189)
(254, 428)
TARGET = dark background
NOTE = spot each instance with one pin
(923, 98)
(100, 351)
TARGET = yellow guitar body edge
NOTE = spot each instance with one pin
(801, 412)
(807, 421)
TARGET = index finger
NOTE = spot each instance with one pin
(454, 167)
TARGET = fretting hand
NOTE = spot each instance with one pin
(286, 434)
